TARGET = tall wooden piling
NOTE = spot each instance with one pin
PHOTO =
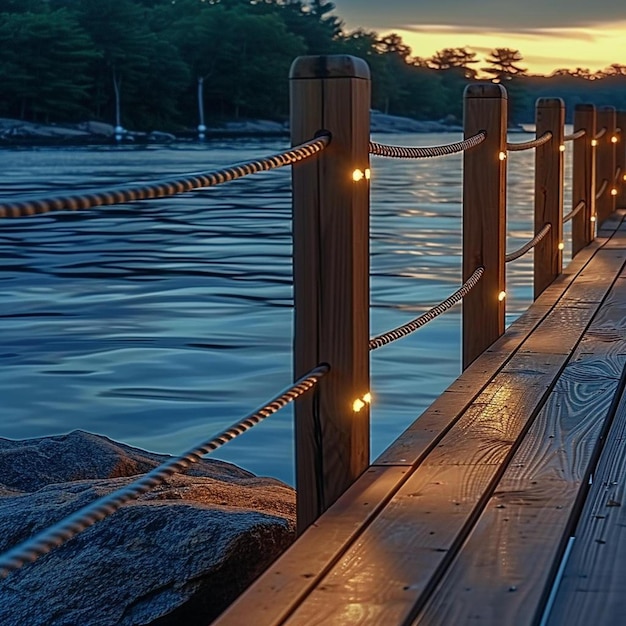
(605, 164)
(484, 217)
(549, 160)
(331, 277)
(584, 177)
(620, 159)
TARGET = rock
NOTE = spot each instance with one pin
(382, 123)
(158, 136)
(97, 128)
(179, 555)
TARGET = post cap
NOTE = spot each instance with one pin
(485, 90)
(329, 66)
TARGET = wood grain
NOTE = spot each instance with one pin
(605, 163)
(549, 167)
(620, 159)
(331, 278)
(484, 217)
(272, 597)
(583, 177)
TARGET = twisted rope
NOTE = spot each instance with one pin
(577, 135)
(398, 152)
(573, 212)
(418, 322)
(54, 536)
(528, 246)
(602, 189)
(166, 187)
(527, 145)
(600, 133)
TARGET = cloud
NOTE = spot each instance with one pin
(486, 14)
(580, 34)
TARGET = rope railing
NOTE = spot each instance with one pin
(602, 189)
(527, 145)
(399, 152)
(431, 314)
(61, 532)
(527, 247)
(577, 135)
(166, 187)
(568, 216)
(600, 133)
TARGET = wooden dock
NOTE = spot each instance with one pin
(504, 502)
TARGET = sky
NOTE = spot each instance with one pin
(550, 34)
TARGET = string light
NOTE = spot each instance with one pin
(368, 173)
(358, 175)
(502, 156)
(502, 296)
(613, 191)
(562, 148)
(594, 143)
(593, 218)
(561, 246)
(614, 139)
(359, 403)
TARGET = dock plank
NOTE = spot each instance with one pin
(593, 587)
(504, 571)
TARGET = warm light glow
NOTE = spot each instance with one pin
(358, 175)
(593, 218)
(624, 177)
(367, 398)
(562, 147)
(368, 173)
(613, 139)
(502, 156)
(502, 296)
(357, 405)
(594, 143)
(613, 192)
(544, 48)
(561, 246)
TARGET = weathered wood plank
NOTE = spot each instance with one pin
(271, 597)
(593, 588)
(502, 572)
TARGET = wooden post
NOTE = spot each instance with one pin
(484, 217)
(331, 277)
(605, 162)
(620, 159)
(584, 177)
(549, 160)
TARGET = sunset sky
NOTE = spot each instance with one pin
(550, 34)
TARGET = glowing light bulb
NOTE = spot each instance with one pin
(357, 175)
(367, 398)
(594, 142)
(357, 405)
(502, 156)
(624, 177)
(593, 218)
(561, 246)
(502, 296)
(614, 139)
(368, 173)
(562, 148)
(614, 192)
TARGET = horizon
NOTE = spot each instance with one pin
(568, 38)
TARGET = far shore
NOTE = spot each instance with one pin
(20, 133)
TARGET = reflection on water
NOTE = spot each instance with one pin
(161, 322)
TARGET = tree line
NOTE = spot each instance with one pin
(167, 63)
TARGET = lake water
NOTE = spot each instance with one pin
(160, 323)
